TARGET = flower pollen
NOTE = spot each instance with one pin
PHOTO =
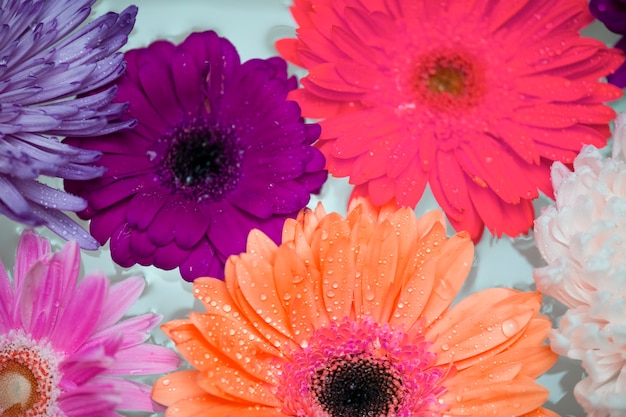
(449, 80)
(29, 378)
(201, 160)
(362, 369)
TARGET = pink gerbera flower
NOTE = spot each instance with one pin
(62, 349)
(476, 99)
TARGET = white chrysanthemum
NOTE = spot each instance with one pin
(583, 240)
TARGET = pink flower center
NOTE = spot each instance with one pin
(29, 377)
(199, 160)
(361, 369)
(449, 80)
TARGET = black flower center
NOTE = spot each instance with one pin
(449, 80)
(201, 160)
(358, 386)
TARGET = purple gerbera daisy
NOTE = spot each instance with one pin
(46, 60)
(218, 150)
(63, 349)
(613, 14)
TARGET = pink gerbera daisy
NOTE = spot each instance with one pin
(62, 349)
(476, 99)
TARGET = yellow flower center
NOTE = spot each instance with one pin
(29, 378)
(447, 80)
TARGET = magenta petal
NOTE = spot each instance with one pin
(83, 311)
(143, 207)
(140, 245)
(169, 256)
(203, 261)
(135, 396)
(134, 330)
(143, 360)
(161, 231)
(90, 400)
(6, 300)
(159, 92)
(187, 77)
(89, 362)
(120, 246)
(192, 225)
(30, 248)
(119, 299)
(103, 226)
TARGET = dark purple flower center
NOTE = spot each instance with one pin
(358, 386)
(201, 160)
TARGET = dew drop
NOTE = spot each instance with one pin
(445, 347)
(227, 308)
(510, 327)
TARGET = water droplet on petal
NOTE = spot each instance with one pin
(510, 327)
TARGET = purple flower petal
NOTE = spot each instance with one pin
(217, 151)
(49, 58)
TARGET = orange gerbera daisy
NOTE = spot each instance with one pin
(351, 317)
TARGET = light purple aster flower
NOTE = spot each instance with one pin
(46, 61)
(218, 150)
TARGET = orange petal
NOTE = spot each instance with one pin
(208, 406)
(255, 288)
(261, 245)
(511, 398)
(296, 292)
(337, 269)
(481, 325)
(176, 387)
(377, 263)
(232, 342)
(540, 412)
(250, 281)
(237, 385)
(452, 267)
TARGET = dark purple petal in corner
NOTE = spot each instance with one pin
(610, 12)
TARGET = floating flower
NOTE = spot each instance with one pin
(218, 150)
(474, 99)
(613, 14)
(46, 59)
(583, 240)
(351, 317)
(63, 348)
